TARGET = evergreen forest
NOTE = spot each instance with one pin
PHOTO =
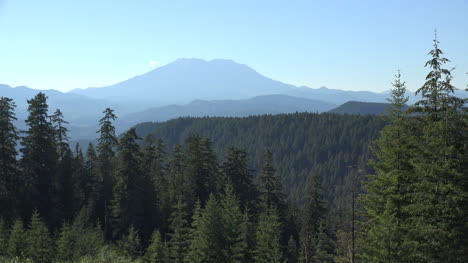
(287, 188)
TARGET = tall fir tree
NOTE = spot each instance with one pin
(236, 246)
(387, 194)
(39, 244)
(60, 134)
(207, 238)
(157, 250)
(268, 238)
(63, 198)
(179, 232)
(3, 238)
(9, 184)
(16, 240)
(130, 244)
(128, 204)
(439, 195)
(312, 217)
(107, 141)
(201, 166)
(237, 172)
(270, 186)
(39, 160)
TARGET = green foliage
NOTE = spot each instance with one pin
(8, 163)
(269, 185)
(3, 238)
(130, 245)
(39, 244)
(128, 204)
(179, 233)
(234, 237)
(238, 174)
(312, 218)
(416, 201)
(268, 248)
(39, 160)
(78, 240)
(16, 241)
(157, 251)
(207, 244)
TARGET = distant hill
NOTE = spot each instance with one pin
(361, 108)
(268, 104)
(185, 80)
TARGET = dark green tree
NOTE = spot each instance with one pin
(270, 186)
(201, 166)
(268, 235)
(439, 195)
(179, 232)
(292, 251)
(236, 246)
(39, 160)
(237, 173)
(312, 217)
(16, 241)
(207, 239)
(130, 244)
(9, 185)
(128, 205)
(387, 194)
(3, 238)
(39, 244)
(106, 143)
(60, 135)
(157, 251)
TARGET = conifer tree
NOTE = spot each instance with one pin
(201, 166)
(387, 191)
(268, 248)
(180, 180)
(236, 247)
(130, 245)
(207, 242)
(16, 241)
(439, 193)
(106, 143)
(324, 248)
(157, 250)
(39, 244)
(95, 181)
(65, 244)
(292, 251)
(39, 160)
(9, 185)
(311, 219)
(237, 172)
(270, 186)
(60, 135)
(128, 205)
(179, 232)
(3, 238)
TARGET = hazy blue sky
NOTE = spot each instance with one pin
(353, 45)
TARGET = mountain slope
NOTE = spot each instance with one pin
(268, 104)
(361, 108)
(186, 80)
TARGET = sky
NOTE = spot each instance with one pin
(349, 44)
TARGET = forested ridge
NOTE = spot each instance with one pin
(304, 144)
(277, 188)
